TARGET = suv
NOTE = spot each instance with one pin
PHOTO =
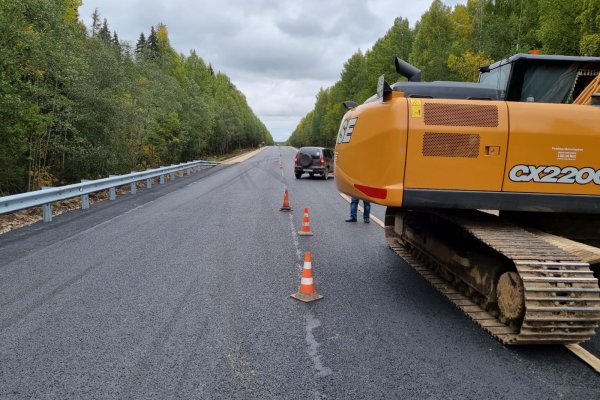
(313, 160)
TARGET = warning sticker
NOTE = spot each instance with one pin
(416, 108)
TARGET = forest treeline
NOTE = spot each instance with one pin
(76, 102)
(450, 43)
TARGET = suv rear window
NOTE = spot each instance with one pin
(314, 152)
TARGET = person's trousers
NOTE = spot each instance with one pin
(354, 208)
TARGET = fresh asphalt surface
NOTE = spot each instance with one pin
(182, 291)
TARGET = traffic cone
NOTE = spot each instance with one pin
(306, 291)
(305, 230)
(286, 202)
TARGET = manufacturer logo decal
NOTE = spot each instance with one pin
(554, 174)
(346, 129)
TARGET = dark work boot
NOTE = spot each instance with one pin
(351, 220)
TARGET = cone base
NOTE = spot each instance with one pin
(303, 233)
(286, 209)
(307, 298)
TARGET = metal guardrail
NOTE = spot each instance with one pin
(48, 195)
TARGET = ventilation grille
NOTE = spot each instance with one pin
(461, 115)
(451, 145)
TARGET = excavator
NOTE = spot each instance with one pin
(492, 189)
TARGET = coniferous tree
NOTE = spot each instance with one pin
(152, 42)
(95, 22)
(140, 46)
(104, 32)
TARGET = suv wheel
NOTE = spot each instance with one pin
(298, 175)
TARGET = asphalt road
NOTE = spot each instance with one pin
(183, 291)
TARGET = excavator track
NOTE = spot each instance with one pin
(586, 253)
(560, 295)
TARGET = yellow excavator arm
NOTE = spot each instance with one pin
(585, 97)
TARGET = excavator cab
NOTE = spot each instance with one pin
(540, 78)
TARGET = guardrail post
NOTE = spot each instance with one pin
(85, 198)
(133, 187)
(188, 171)
(47, 208)
(149, 183)
(47, 212)
(172, 176)
(162, 180)
(112, 192)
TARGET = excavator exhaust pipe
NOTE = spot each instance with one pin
(410, 72)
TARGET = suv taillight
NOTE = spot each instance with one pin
(322, 160)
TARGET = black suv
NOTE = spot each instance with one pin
(314, 160)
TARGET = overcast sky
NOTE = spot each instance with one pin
(277, 52)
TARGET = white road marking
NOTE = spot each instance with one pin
(311, 321)
(361, 209)
(313, 346)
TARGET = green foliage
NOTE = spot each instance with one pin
(430, 48)
(589, 20)
(79, 105)
(590, 45)
(450, 44)
(466, 66)
(560, 30)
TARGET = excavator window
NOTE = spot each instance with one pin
(496, 78)
(548, 81)
(540, 80)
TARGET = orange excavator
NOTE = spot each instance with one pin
(492, 189)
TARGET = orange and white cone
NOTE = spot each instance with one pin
(305, 229)
(306, 291)
(286, 202)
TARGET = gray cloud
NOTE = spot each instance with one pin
(279, 53)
